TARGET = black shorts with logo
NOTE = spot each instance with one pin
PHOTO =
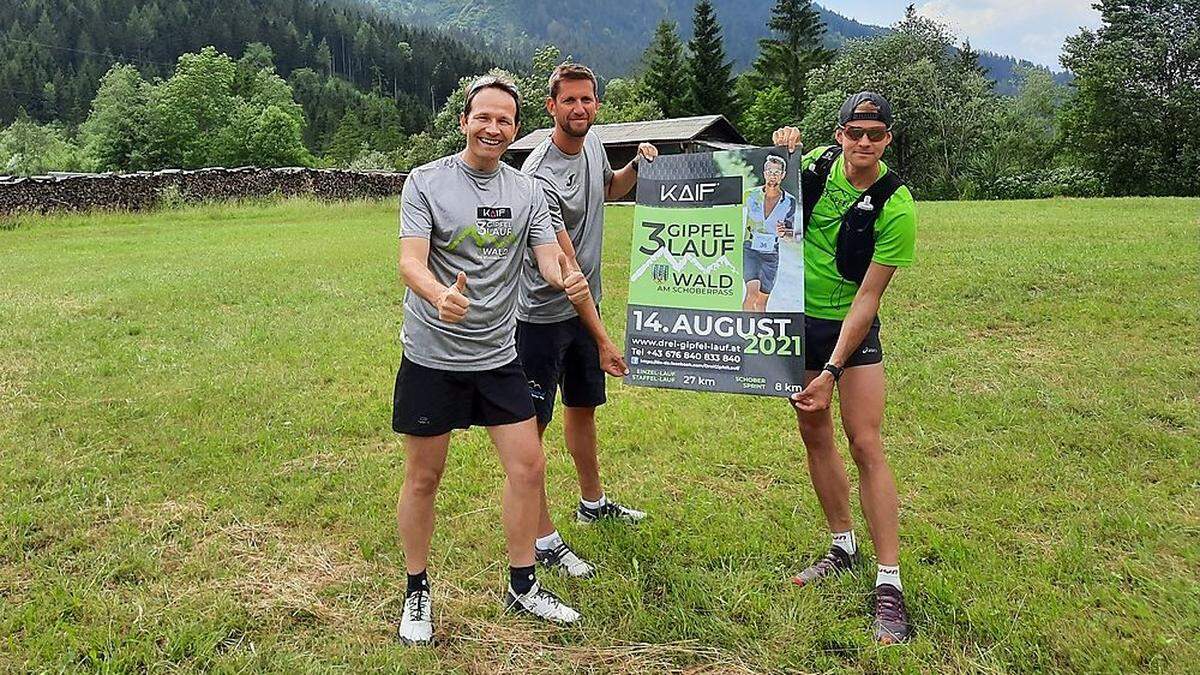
(821, 336)
(431, 402)
(561, 354)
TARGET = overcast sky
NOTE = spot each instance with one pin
(1027, 29)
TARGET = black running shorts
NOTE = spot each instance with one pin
(821, 336)
(561, 354)
(431, 402)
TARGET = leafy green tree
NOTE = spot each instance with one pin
(324, 57)
(709, 73)
(192, 108)
(275, 139)
(115, 134)
(347, 142)
(786, 59)
(28, 148)
(1135, 118)
(666, 77)
(769, 110)
(534, 87)
(940, 110)
(256, 57)
(627, 100)
(1025, 135)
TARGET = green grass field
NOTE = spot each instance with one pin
(198, 471)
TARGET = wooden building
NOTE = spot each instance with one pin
(704, 133)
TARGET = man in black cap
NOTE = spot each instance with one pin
(859, 227)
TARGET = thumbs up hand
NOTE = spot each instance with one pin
(574, 283)
(452, 305)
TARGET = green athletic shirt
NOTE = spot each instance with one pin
(826, 294)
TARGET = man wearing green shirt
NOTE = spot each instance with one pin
(843, 349)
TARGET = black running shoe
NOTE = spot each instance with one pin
(834, 562)
(610, 511)
(891, 617)
(565, 560)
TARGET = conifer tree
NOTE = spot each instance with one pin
(666, 71)
(711, 75)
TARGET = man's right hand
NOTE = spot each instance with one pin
(452, 305)
(787, 136)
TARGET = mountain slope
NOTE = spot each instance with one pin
(612, 36)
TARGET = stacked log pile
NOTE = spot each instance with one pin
(146, 189)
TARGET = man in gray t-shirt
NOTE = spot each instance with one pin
(555, 347)
(467, 223)
(487, 222)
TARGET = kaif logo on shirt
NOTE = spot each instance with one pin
(492, 232)
(493, 213)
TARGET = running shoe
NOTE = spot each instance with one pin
(416, 626)
(891, 617)
(541, 603)
(610, 511)
(835, 561)
(563, 559)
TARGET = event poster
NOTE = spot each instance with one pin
(716, 277)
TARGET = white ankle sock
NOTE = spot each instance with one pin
(846, 541)
(596, 504)
(888, 574)
(549, 541)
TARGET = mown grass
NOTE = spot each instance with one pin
(198, 471)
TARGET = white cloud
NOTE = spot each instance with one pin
(1030, 29)
(1027, 29)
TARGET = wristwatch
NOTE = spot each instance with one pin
(836, 371)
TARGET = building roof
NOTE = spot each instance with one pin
(674, 130)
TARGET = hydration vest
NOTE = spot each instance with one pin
(856, 236)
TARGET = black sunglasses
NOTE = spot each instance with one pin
(876, 134)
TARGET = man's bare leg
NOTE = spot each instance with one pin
(825, 465)
(579, 428)
(752, 292)
(425, 460)
(862, 394)
(524, 464)
(525, 470)
(545, 524)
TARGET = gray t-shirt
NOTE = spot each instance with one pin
(482, 224)
(575, 186)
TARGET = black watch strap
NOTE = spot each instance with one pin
(834, 370)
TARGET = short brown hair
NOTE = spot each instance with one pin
(572, 71)
(500, 82)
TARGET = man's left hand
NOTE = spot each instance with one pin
(647, 151)
(816, 396)
(574, 283)
(611, 360)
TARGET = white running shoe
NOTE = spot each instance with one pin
(541, 603)
(562, 558)
(416, 626)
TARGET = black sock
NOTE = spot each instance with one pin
(417, 582)
(521, 579)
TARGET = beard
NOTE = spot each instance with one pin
(568, 130)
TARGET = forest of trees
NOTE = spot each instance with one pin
(323, 84)
(338, 57)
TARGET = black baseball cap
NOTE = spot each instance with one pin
(883, 114)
